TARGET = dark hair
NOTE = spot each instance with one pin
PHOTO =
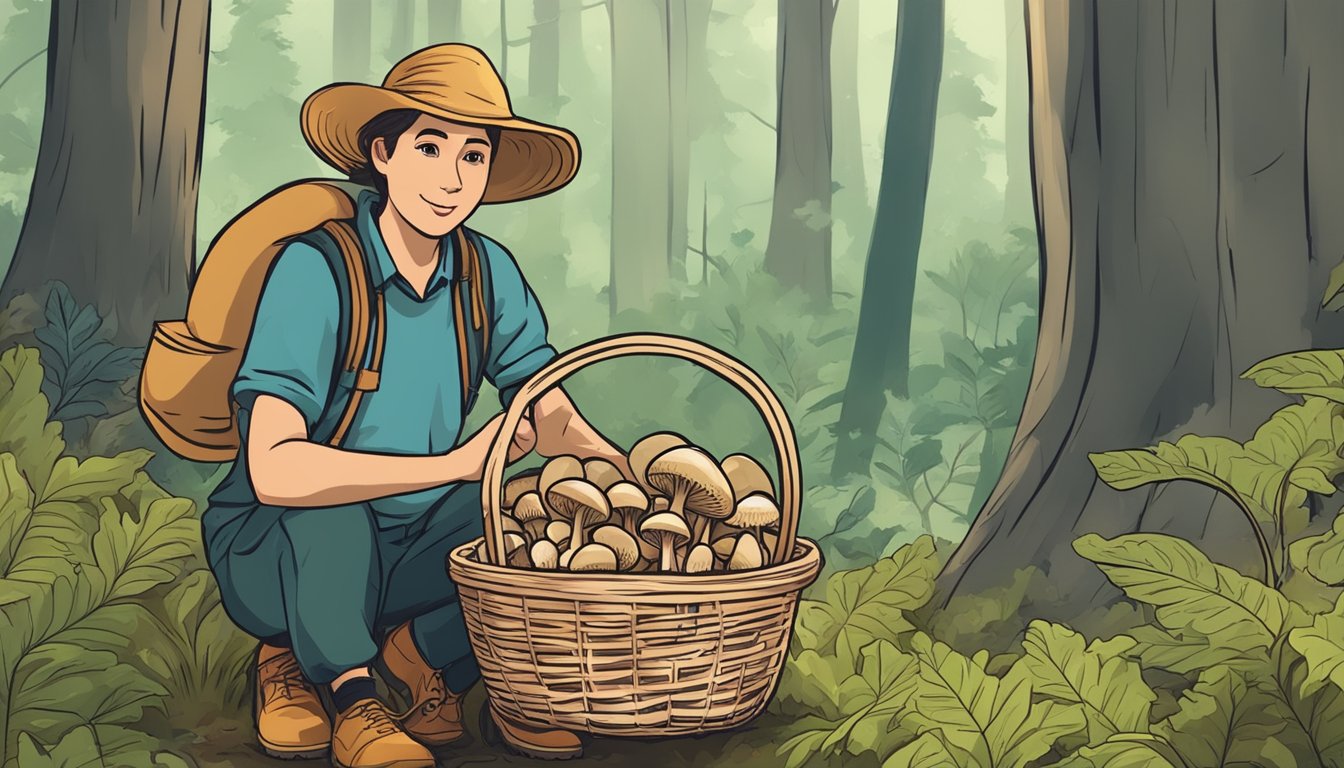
(389, 126)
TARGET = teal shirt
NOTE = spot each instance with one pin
(417, 408)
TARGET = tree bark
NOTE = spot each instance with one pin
(445, 21)
(402, 40)
(847, 164)
(1017, 210)
(881, 361)
(798, 252)
(112, 211)
(679, 146)
(1187, 175)
(641, 194)
(351, 48)
(573, 57)
(545, 216)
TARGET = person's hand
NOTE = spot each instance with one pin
(468, 459)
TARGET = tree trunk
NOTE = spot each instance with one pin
(641, 194)
(402, 40)
(1017, 211)
(798, 253)
(573, 53)
(679, 148)
(445, 21)
(351, 47)
(113, 205)
(881, 361)
(545, 215)
(847, 164)
(1187, 178)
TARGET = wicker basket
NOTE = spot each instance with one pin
(635, 654)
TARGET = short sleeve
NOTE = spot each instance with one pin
(292, 351)
(518, 345)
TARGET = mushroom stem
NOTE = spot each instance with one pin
(678, 503)
(665, 561)
(576, 535)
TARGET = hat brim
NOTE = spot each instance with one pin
(532, 158)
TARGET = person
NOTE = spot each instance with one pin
(334, 557)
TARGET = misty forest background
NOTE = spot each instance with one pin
(1059, 343)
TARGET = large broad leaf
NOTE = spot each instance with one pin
(1098, 677)
(98, 746)
(1125, 750)
(1318, 372)
(1322, 646)
(16, 509)
(1323, 556)
(1191, 593)
(1312, 721)
(868, 604)
(1188, 653)
(928, 751)
(59, 684)
(872, 698)
(24, 430)
(89, 480)
(983, 721)
(1221, 722)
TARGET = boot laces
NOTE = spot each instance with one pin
(284, 676)
(376, 716)
(431, 697)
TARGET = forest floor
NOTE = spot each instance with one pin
(225, 742)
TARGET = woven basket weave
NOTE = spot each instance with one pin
(635, 654)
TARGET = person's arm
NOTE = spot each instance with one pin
(284, 385)
(518, 349)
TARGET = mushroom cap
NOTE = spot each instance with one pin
(708, 491)
(746, 553)
(601, 473)
(625, 496)
(747, 476)
(699, 560)
(661, 504)
(510, 524)
(519, 484)
(557, 468)
(724, 547)
(647, 449)
(528, 507)
(544, 554)
(512, 541)
(754, 511)
(569, 497)
(593, 557)
(558, 531)
(656, 526)
(619, 541)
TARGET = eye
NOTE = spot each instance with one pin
(428, 150)
(474, 157)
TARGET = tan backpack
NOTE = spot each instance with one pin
(190, 364)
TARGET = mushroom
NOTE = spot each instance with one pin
(746, 554)
(580, 502)
(618, 540)
(593, 557)
(557, 532)
(510, 524)
(515, 550)
(602, 473)
(700, 559)
(518, 485)
(647, 449)
(746, 476)
(529, 511)
(629, 501)
(696, 484)
(724, 547)
(755, 512)
(544, 554)
(664, 530)
(556, 469)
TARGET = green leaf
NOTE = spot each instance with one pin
(1323, 556)
(1098, 677)
(868, 604)
(871, 698)
(992, 722)
(1317, 372)
(1322, 646)
(24, 430)
(62, 683)
(925, 752)
(1125, 750)
(1221, 722)
(1191, 593)
(76, 481)
(16, 509)
(1187, 653)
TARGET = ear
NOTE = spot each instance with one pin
(380, 157)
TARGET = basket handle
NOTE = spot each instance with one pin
(725, 366)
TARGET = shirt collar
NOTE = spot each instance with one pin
(382, 268)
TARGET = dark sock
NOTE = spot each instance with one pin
(352, 691)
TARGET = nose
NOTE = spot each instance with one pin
(452, 181)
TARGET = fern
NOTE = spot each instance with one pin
(83, 369)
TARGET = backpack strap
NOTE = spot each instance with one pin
(474, 279)
(366, 379)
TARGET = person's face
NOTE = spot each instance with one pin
(436, 176)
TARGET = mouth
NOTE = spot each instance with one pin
(439, 210)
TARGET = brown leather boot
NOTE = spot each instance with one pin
(291, 721)
(435, 714)
(536, 742)
(366, 736)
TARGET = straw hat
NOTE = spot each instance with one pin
(455, 82)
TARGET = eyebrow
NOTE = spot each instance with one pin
(475, 141)
(432, 132)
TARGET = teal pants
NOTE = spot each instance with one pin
(329, 583)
